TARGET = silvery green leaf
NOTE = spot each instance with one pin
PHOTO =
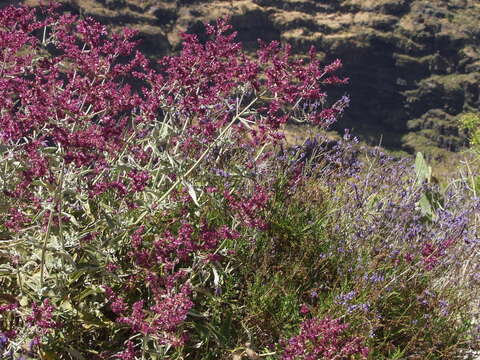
(6, 269)
(216, 277)
(191, 192)
(423, 171)
(72, 219)
(425, 206)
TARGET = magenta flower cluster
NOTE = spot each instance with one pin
(324, 339)
(106, 150)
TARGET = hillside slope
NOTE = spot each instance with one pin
(414, 64)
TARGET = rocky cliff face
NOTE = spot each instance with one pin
(414, 64)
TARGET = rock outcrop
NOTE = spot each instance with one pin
(414, 64)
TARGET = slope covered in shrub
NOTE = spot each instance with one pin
(153, 211)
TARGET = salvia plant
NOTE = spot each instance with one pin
(153, 210)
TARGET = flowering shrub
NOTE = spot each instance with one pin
(471, 122)
(154, 211)
(111, 168)
(323, 339)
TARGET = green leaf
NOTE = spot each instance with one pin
(47, 355)
(426, 207)
(423, 171)
(192, 193)
(75, 354)
(87, 292)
